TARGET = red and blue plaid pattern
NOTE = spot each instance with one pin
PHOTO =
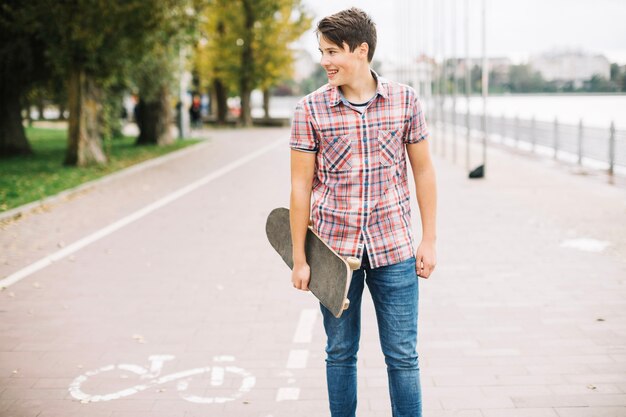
(360, 189)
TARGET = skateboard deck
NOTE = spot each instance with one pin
(330, 273)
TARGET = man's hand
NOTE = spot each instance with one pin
(425, 258)
(300, 276)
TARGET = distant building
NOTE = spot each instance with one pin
(420, 72)
(574, 66)
(415, 73)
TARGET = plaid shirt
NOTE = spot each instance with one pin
(360, 195)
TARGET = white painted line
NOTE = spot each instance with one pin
(304, 331)
(74, 247)
(288, 394)
(587, 245)
(103, 180)
(297, 359)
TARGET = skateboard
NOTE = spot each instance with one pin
(330, 273)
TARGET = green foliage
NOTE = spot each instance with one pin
(281, 23)
(160, 63)
(277, 24)
(523, 80)
(26, 179)
(314, 81)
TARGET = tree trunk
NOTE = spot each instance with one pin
(85, 122)
(266, 102)
(247, 64)
(154, 120)
(61, 111)
(13, 140)
(40, 106)
(221, 99)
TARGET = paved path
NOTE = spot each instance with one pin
(521, 318)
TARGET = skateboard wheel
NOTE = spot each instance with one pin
(355, 263)
(346, 304)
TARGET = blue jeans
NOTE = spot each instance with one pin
(394, 290)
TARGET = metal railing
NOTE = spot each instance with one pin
(596, 147)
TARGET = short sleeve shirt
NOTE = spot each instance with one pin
(360, 195)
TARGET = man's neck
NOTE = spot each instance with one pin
(361, 89)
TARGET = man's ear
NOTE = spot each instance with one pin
(364, 49)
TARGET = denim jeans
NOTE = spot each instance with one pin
(394, 290)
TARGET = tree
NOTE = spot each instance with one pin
(216, 57)
(273, 36)
(22, 66)
(522, 79)
(91, 42)
(247, 45)
(157, 74)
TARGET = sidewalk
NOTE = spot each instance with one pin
(520, 319)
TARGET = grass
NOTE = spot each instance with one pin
(25, 179)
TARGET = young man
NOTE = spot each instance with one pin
(348, 143)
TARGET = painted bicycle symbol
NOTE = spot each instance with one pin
(152, 379)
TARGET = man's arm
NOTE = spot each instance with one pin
(302, 171)
(426, 192)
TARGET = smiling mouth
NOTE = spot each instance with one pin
(331, 73)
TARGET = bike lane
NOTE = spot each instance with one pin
(179, 312)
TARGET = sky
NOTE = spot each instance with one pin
(515, 29)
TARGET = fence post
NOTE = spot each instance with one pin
(533, 133)
(580, 142)
(516, 130)
(612, 148)
(556, 137)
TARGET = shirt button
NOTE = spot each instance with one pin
(366, 204)
(366, 160)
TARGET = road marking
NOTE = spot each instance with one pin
(76, 246)
(182, 378)
(587, 245)
(304, 330)
(288, 394)
(297, 359)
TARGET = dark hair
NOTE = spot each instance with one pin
(352, 26)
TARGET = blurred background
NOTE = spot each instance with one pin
(91, 84)
(166, 266)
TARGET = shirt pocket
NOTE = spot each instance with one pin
(390, 144)
(337, 153)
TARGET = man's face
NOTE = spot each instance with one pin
(340, 64)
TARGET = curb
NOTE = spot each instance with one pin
(19, 211)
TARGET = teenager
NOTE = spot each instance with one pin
(349, 142)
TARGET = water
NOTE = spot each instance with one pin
(595, 110)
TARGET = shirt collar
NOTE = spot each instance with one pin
(381, 89)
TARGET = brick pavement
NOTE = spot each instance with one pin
(512, 323)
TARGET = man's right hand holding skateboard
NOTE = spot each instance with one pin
(302, 172)
(301, 275)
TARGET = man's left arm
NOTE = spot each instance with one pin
(426, 192)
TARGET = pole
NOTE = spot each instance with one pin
(485, 82)
(468, 88)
